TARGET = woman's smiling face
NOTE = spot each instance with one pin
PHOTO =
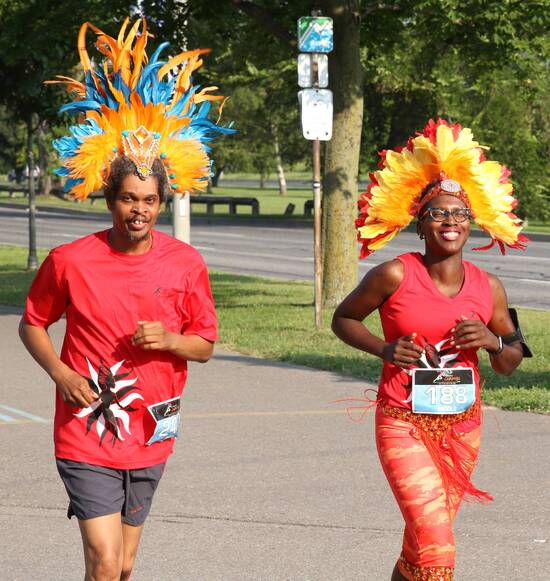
(448, 236)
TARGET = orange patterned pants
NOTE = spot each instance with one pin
(427, 502)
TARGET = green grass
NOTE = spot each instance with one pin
(274, 319)
(299, 173)
(536, 226)
(14, 279)
(271, 202)
(55, 202)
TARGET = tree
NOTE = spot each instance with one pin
(51, 31)
(483, 64)
(342, 153)
(245, 42)
(406, 48)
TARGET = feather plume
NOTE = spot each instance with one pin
(129, 91)
(390, 202)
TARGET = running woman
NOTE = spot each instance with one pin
(437, 310)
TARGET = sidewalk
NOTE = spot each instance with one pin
(269, 481)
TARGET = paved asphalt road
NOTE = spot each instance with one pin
(286, 252)
(270, 481)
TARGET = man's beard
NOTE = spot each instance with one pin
(136, 237)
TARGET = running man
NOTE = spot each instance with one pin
(137, 302)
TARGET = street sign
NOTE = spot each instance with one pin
(316, 105)
(314, 34)
(305, 70)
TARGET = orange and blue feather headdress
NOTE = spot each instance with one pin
(140, 107)
(446, 155)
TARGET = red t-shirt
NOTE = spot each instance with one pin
(104, 293)
(417, 306)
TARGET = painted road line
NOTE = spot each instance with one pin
(24, 414)
(208, 234)
(532, 280)
(7, 418)
(200, 416)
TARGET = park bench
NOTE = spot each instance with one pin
(231, 201)
(209, 201)
(12, 189)
(93, 196)
(308, 208)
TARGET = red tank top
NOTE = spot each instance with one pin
(417, 306)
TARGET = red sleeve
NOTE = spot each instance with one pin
(48, 296)
(198, 305)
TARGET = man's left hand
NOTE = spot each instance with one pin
(151, 336)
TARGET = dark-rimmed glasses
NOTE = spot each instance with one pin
(439, 214)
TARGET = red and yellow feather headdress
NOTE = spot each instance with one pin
(441, 152)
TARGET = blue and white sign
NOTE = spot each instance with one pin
(443, 390)
(315, 34)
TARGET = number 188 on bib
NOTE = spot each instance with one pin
(443, 391)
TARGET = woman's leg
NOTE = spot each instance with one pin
(427, 507)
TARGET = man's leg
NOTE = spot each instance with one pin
(102, 539)
(140, 487)
(131, 535)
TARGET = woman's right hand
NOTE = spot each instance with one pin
(404, 352)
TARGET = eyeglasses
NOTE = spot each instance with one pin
(439, 214)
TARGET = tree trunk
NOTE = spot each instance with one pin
(262, 180)
(340, 254)
(44, 179)
(218, 172)
(278, 160)
(32, 261)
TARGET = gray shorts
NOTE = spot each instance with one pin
(98, 491)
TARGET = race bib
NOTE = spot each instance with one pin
(167, 420)
(443, 390)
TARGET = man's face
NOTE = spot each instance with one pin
(135, 209)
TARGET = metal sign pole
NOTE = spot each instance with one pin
(315, 38)
(317, 250)
(318, 299)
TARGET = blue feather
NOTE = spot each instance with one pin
(80, 107)
(71, 183)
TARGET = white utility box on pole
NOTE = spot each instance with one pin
(315, 39)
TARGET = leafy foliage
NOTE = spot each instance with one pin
(483, 63)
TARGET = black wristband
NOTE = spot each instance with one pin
(500, 347)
